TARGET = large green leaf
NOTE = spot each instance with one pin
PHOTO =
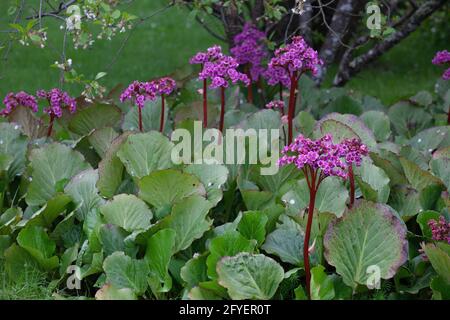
(83, 190)
(440, 167)
(250, 276)
(331, 197)
(166, 187)
(228, 244)
(52, 167)
(49, 212)
(368, 235)
(322, 286)
(110, 169)
(418, 178)
(253, 226)
(407, 119)
(18, 263)
(379, 123)
(113, 238)
(373, 182)
(145, 153)
(37, 243)
(14, 145)
(213, 178)
(194, 271)
(286, 242)
(439, 256)
(125, 272)
(158, 254)
(29, 123)
(101, 140)
(343, 126)
(127, 212)
(189, 220)
(94, 117)
(430, 139)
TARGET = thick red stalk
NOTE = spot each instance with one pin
(281, 91)
(250, 86)
(312, 201)
(291, 110)
(50, 126)
(205, 103)
(351, 178)
(448, 116)
(141, 128)
(163, 107)
(222, 108)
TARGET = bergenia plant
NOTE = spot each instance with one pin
(294, 60)
(250, 51)
(57, 101)
(138, 93)
(163, 87)
(212, 54)
(13, 100)
(443, 58)
(221, 72)
(317, 159)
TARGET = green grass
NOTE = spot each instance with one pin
(166, 41)
(33, 286)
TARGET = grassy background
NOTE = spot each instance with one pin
(166, 42)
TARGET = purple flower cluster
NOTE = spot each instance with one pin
(162, 86)
(139, 93)
(443, 57)
(57, 100)
(322, 154)
(276, 104)
(355, 150)
(250, 49)
(13, 100)
(222, 71)
(440, 230)
(211, 54)
(295, 57)
(277, 75)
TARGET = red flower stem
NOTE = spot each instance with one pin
(250, 86)
(50, 126)
(205, 103)
(291, 110)
(281, 91)
(448, 116)
(312, 201)
(222, 108)
(351, 177)
(141, 128)
(163, 107)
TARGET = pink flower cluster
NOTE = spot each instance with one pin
(57, 100)
(140, 92)
(164, 86)
(222, 71)
(440, 229)
(322, 154)
(355, 151)
(13, 100)
(276, 104)
(211, 54)
(443, 57)
(295, 57)
(250, 49)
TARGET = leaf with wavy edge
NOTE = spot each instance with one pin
(250, 276)
(369, 234)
